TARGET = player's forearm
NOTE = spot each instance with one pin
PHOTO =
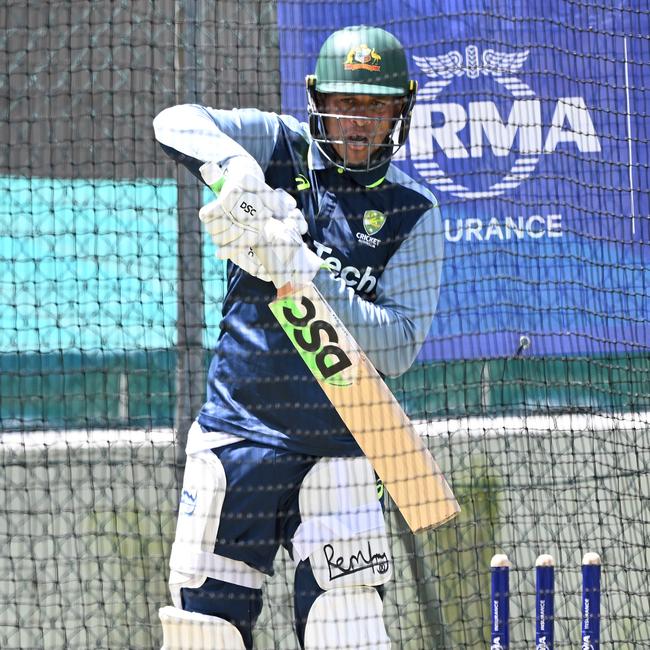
(189, 130)
(206, 134)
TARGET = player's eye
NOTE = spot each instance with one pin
(379, 106)
(348, 104)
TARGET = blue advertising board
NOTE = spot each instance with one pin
(531, 128)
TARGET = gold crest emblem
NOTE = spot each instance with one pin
(362, 57)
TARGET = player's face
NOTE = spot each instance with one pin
(356, 139)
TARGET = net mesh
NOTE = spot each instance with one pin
(89, 519)
(532, 392)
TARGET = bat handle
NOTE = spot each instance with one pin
(285, 290)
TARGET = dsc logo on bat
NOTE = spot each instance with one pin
(311, 331)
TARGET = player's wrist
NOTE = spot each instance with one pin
(239, 170)
(243, 166)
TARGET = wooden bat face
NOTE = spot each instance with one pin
(368, 408)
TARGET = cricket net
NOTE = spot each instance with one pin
(88, 520)
(532, 390)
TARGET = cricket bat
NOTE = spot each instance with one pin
(367, 407)
(361, 398)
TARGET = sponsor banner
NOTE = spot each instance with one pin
(532, 133)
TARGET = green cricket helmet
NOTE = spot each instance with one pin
(360, 60)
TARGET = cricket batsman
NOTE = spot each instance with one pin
(269, 460)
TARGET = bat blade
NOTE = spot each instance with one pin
(367, 407)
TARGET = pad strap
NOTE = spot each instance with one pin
(190, 559)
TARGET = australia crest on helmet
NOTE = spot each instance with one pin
(363, 57)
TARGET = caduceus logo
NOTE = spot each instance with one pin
(478, 128)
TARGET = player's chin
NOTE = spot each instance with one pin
(357, 154)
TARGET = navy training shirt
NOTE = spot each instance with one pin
(383, 246)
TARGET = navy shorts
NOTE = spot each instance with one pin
(260, 510)
(260, 513)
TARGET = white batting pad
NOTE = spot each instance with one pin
(343, 532)
(204, 490)
(348, 617)
(192, 631)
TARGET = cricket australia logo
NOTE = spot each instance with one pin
(373, 222)
(501, 130)
(362, 57)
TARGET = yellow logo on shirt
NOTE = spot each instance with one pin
(302, 182)
(373, 221)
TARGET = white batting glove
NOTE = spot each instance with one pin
(284, 255)
(242, 176)
(245, 202)
(234, 242)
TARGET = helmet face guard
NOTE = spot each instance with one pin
(377, 154)
(360, 60)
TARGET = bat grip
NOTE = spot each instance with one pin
(285, 290)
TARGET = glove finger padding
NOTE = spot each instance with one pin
(211, 212)
(239, 248)
(280, 203)
(241, 253)
(284, 255)
(296, 220)
(233, 241)
(218, 224)
(245, 208)
(245, 175)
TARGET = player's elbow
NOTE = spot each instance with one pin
(400, 355)
(169, 120)
(163, 121)
(401, 363)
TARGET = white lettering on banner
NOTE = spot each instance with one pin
(478, 128)
(524, 119)
(474, 229)
(455, 120)
(571, 122)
